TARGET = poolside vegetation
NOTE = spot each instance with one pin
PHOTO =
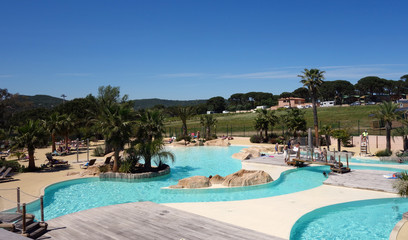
(401, 185)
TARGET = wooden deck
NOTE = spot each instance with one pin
(144, 220)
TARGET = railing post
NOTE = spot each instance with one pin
(18, 200)
(42, 208)
(24, 219)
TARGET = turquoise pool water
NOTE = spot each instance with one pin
(368, 219)
(373, 161)
(76, 195)
(81, 194)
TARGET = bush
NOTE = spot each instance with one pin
(13, 164)
(402, 154)
(383, 153)
(255, 139)
(126, 167)
(185, 138)
(402, 184)
(99, 152)
(104, 168)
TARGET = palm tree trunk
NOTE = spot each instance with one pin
(328, 142)
(116, 160)
(405, 143)
(66, 141)
(184, 129)
(388, 136)
(148, 163)
(316, 126)
(53, 142)
(208, 133)
(339, 145)
(31, 162)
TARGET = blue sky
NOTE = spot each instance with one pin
(195, 49)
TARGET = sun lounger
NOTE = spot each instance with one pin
(52, 162)
(107, 160)
(88, 164)
(2, 169)
(5, 174)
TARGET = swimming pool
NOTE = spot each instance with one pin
(367, 219)
(80, 194)
(85, 193)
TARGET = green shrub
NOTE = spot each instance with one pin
(402, 184)
(126, 167)
(402, 154)
(255, 139)
(13, 164)
(383, 153)
(104, 168)
(185, 138)
(99, 152)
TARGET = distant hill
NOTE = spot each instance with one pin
(49, 102)
(148, 103)
(41, 101)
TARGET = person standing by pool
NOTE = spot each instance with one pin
(276, 148)
(285, 153)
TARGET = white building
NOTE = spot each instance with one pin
(327, 104)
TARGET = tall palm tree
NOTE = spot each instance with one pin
(66, 126)
(313, 79)
(184, 113)
(387, 112)
(151, 125)
(327, 131)
(117, 127)
(53, 124)
(208, 121)
(31, 135)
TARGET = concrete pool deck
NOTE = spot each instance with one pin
(274, 216)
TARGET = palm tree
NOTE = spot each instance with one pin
(184, 113)
(66, 126)
(387, 112)
(53, 125)
(261, 123)
(151, 125)
(313, 79)
(327, 131)
(154, 149)
(31, 135)
(294, 119)
(207, 121)
(117, 127)
(149, 142)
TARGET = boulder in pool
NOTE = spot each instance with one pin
(218, 142)
(193, 182)
(247, 178)
(217, 179)
(242, 156)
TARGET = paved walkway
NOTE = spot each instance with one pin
(363, 179)
(144, 220)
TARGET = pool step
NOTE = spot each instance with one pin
(33, 229)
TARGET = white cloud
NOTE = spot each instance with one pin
(181, 75)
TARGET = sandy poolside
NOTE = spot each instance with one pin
(272, 215)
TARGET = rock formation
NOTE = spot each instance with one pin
(247, 178)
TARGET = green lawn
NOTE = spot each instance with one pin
(352, 118)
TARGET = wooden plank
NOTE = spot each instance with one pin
(144, 220)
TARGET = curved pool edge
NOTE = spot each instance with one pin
(309, 216)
